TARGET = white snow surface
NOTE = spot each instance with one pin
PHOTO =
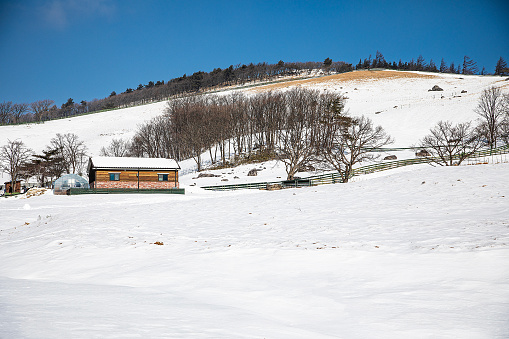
(415, 252)
(419, 253)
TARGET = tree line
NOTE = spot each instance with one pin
(468, 66)
(66, 153)
(300, 127)
(43, 110)
(199, 82)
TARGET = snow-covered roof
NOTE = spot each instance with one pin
(133, 163)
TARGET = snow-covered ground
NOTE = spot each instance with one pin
(419, 253)
(415, 252)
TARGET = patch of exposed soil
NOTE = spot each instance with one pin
(343, 77)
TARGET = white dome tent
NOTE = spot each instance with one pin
(67, 181)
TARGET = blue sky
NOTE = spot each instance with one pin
(85, 49)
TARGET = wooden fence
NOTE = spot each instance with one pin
(334, 177)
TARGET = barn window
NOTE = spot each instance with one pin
(163, 177)
(114, 176)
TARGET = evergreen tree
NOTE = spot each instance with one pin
(501, 68)
(432, 67)
(469, 66)
(452, 68)
(443, 67)
(379, 60)
(420, 64)
(359, 65)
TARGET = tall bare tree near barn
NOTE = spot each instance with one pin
(13, 157)
(72, 150)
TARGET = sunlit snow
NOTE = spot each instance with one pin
(417, 252)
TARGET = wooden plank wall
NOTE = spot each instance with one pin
(132, 175)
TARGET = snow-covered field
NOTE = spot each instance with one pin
(416, 252)
(422, 253)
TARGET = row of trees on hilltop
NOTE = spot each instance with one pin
(300, 127)
(43, 110)
(198, 82)
(468, 66)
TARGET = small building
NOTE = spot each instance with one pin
(133, 173)
(68, 181)
(10, 188)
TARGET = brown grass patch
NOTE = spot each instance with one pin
(344, 77)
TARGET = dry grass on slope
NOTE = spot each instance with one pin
(343, 77)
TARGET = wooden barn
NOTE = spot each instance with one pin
(132, 173)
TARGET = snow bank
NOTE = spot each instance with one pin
(416, 254)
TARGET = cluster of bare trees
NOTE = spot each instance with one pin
(42, 110)
(38, 111)
(65, 154)
(451, 144)
(298, 126)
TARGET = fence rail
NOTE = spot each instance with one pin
(335, 177)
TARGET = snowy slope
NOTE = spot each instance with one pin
(417, 109)
(418, 254)
(401, 104)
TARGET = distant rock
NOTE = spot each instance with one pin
(435, 88)
(391, 157)
(224, 179)
(207, 175)
(422, 153)
(252, 173)
(463, 91)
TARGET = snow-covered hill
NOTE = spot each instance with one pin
(416, 252)
(399, 101)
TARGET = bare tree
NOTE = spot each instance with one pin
(5, 112)
(17, 111)
(13, 157)
(72, 150)
(41, 108)
(504, 125)
(299, 136)
(491, 111)
(451, 144)
(348, 141)
(117, 148)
